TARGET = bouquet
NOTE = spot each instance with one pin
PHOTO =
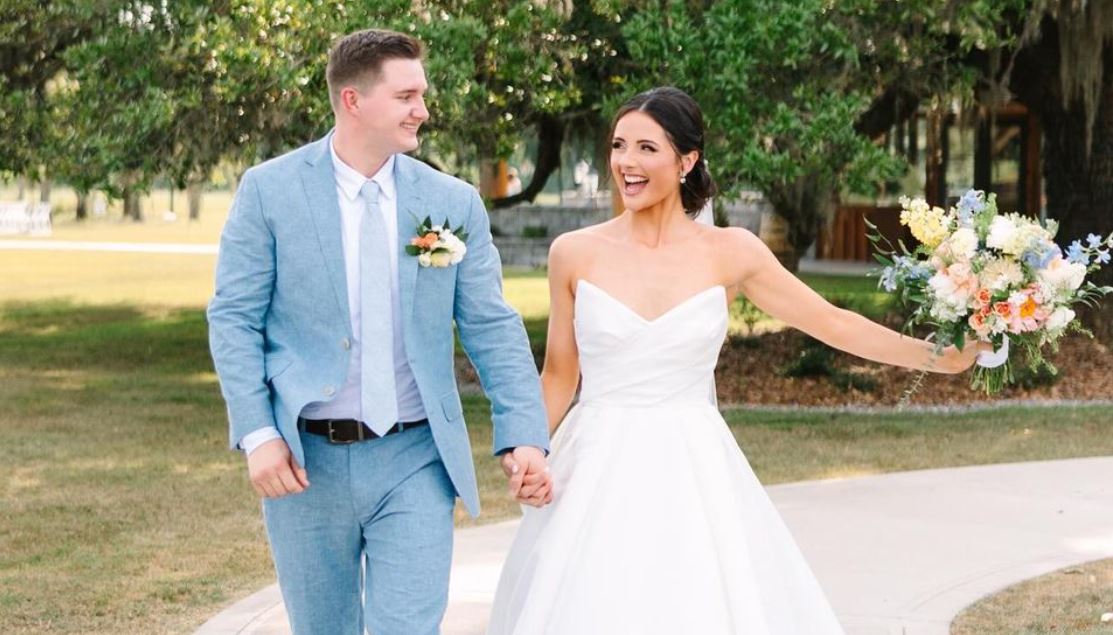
(994, 277)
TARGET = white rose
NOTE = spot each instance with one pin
(458, 253)
(436, 229)
(1076, 275)
(964, 243)
(1059, 318)
(1001, 233)
(441, 258)
(1063, 275)
(424, 260)
(942, 285)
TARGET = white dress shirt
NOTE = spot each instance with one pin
(346, 403)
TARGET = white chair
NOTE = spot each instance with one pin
(40, 220)
(13, 218)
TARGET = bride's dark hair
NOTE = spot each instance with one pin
(682, 120)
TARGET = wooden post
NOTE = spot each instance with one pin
(935, 178)
(493, 178)
(1033, 167)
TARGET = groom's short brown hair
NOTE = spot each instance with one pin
(358, 58)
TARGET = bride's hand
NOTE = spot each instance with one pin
(954, 361)
(528, 473)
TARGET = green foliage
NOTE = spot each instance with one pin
(535, 231)
(816, 359)
(793, 92)
(148, 89)
(748, 313)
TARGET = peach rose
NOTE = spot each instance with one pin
(425, 242)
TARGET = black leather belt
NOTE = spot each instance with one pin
(350, 430)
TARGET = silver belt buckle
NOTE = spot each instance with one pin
(332, 438)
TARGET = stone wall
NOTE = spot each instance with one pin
(523, 233)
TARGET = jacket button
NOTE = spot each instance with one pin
(329, 390)
(346, 343)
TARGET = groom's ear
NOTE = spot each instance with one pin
(349, 98)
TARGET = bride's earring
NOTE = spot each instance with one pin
(683, 178)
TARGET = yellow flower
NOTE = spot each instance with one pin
(930, 225)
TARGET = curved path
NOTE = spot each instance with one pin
(898, 554)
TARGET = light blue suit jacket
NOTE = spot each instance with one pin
(279, 326)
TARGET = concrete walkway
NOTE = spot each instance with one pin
(898, 554)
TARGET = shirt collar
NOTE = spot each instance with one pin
(351, 181)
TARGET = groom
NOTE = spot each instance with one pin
(334, 348)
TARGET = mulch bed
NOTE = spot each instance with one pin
(749, 373)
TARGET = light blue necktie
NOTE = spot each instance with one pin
(378, 395)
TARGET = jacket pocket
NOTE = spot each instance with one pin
(450, 404)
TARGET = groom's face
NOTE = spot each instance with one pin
(393, 108)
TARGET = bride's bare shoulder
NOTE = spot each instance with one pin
(579, 243)
(725, 237)
(738, 250)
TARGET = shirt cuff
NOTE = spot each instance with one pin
(257, 438)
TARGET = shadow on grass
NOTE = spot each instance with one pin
(62, 336)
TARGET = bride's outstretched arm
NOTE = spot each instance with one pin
(773, 289)
(561, 371)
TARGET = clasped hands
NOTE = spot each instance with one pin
(528, 471)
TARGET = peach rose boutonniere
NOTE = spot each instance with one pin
(437, 245)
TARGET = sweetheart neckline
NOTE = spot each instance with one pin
(641, 317)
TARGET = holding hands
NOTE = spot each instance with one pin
(528, 471)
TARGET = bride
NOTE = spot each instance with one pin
(657, 523)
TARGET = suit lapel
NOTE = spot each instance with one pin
(318, 179)
(409, 216)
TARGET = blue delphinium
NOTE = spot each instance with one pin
(971, 203)
(1103, 256)
(888, 279)
(1093, 240)
(1077, 253)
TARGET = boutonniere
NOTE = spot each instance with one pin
(437, 245)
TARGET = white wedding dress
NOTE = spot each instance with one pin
(658, 525)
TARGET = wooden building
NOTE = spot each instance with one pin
(995, 151)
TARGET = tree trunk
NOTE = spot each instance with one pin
(45, 186)
(82, 205)
(805, 205)
(132, 208)
(193, 195)
(1079, 186)
(550, 136)
(492, 178)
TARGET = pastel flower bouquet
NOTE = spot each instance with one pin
(978, 274)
